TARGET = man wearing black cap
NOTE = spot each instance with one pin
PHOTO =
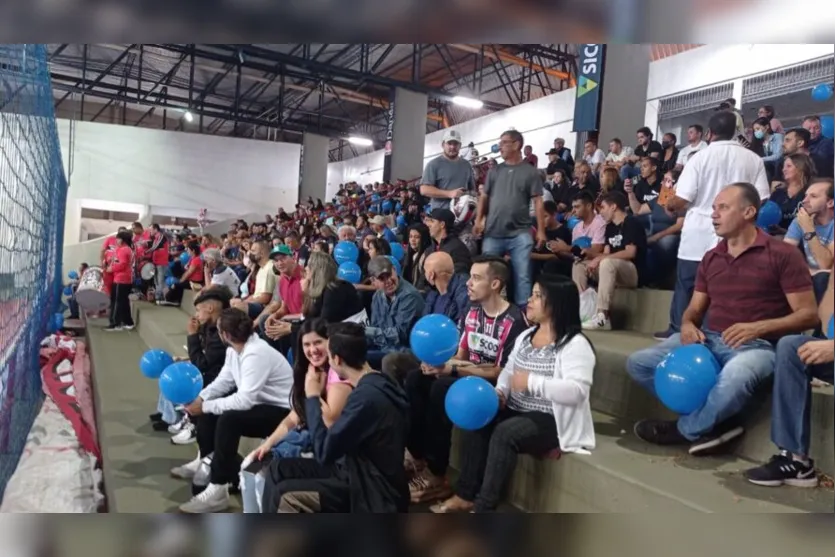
(556, 164)
(440, 223)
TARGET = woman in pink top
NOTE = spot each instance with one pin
(311, 357)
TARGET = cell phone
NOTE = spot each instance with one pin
(577, 251)
(254, 466)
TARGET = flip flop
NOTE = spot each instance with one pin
(442, 508)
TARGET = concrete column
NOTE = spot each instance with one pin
(624, 93)
(407, 137)
(313, 167)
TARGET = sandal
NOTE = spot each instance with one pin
(445, 508)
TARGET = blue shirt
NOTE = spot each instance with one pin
(389, 236)
(825, 234)
(392, 319)
(454, 304)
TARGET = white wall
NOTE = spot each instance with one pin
(540, 121)
(176, 171)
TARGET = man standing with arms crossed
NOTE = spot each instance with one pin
(504, 213)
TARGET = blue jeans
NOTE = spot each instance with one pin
(685, 284)
(629, 171)
(519, 247)
(742, 370)
(792, 401)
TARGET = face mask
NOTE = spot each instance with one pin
(759, 134)
(666, 144)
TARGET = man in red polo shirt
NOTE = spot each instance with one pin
(758, 289)
(108, 249)
(290, 290)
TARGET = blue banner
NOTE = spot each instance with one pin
(589, 85)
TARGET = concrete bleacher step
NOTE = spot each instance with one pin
(162, 327)
(625, 474)
(136, 460)
(644, 311)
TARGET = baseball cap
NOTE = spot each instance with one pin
(452, 135)
(281, 249)
(379, 220)
(380, 265)
(443, 215)
(553, 152)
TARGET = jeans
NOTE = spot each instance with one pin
(661, 257)
(302, 485)
(819, 283)
(430, 433)
(519, 247)
(628, 171)
(167, 409)
(792, 402)
(159, 281)
(743, 369)
(685, 284)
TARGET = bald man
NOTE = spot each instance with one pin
(449, 294)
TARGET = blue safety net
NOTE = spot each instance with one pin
(33, 192)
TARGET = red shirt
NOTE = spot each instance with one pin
(122, 265)
(197, 275)
(159, 256)
(109, 247)
(290, 289)
(532, 160)
(753, 286)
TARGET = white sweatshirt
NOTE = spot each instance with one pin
(261, 375)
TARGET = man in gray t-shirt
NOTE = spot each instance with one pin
(447, 176)
(504, 212)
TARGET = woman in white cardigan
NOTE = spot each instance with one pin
(544, 400)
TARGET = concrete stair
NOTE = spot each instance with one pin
(623, 474)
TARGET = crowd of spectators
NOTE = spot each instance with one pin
(319, 366)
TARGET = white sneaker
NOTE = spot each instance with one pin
(187, 471)
(598, 323)
(186, 436)
(129, 327)
(213, 499)
(174, 429)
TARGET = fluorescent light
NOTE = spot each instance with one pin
(188, 116)
(467, 102)
(363, 141)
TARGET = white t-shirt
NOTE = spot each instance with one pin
(625, 152)
(689, 152)
(227, 277)
(720, 164)
(597, 158)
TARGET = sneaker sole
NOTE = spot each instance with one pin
(208, 510)
(703, 448)
(794, 482)
(189, 442)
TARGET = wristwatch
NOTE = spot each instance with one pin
(809, 235)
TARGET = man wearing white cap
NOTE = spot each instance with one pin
(448, 176)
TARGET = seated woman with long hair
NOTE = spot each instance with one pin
(289, 438)
(418, 244)
(543, 395)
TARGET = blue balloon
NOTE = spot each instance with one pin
(434, 339)
(68, 291)
(388, 206)
(153, 363)
(401, 221)
(397, 251)
(397, 268)
(290, 356)
(350, 271)
(572, 222)
(185, 258)
(73, 275)
(822, 92)
(684, 379)
(398, 207)
(583, 242)
(427, 209)
(170, 282)
(770, 215)
(56, 322)
(346, 251)
(827, 126)
(494, 148)
(181, 383)
(471, 403)
(830, 330)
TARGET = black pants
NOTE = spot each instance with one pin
(120, 305)
(430, 433)
(489, 455)
(221, 434)
(175, 293)
(302, 485)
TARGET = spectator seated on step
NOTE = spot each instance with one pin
(258, 288)
(662, 243)
(379, 225)
(798, 170)
(217, 273)
(620, 265)
(799, 359)
(205, 351)
(812, 229)
(71, 302)
(291, 439)
(821, 148)
(643, 192)
(618, 155)
(287, 302)
(395, 308)
(544, 400)
(647, 147)
(441, 223)
(448, 295)
(260, 380)
(358, 460)
(593, 156)
(758, 289)
(555, 256)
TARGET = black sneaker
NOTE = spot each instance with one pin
(663, 335)
(157, 417)
(160, 426)
(659, 432)
(783, 469)
(714, 442)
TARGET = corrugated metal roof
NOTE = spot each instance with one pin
(661, 51)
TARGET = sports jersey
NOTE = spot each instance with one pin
(489, 340)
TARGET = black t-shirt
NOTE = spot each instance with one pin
(561, 166)
(788, 205)
(628, 232)
(646, 192)
(653, 149)
(560, 233)
(592, 186)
